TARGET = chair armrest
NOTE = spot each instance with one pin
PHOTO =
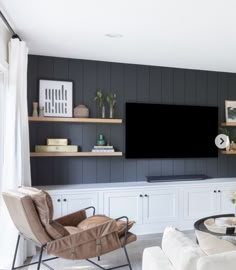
(219, 261)
(126, 227)
(72, 219)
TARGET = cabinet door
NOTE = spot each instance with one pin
(200, 202)
(128, 203)
(75, 202)
(57, 207)
(225, 206)
(160, 205)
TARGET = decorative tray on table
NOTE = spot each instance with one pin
(222, 225)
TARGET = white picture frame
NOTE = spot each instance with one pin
(56, 98)
(230, 111)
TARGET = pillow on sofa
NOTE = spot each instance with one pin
(211, 244)
(180, 249)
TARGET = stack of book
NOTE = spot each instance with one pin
(56, 145)
(103, 148)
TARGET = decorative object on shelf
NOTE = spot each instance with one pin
(56, 97)
(56, 148)
(41, 111)
(56, 141)
(35, 109)
(81, 111)
(100, 99)
(111, 100)
(233, 200)
(230, 110)
(101, 140)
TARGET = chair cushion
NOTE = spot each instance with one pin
(96, 220)
(181, 250)
(44, 206)
(211, 244)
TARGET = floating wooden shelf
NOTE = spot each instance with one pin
(75, 120)
(228, 124)
(228, 152)
(76, 154)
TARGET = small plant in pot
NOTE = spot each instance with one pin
(111, 100)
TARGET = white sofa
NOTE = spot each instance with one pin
(179, 252)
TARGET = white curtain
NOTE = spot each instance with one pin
(16, 159)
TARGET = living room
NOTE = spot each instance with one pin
(126, 107)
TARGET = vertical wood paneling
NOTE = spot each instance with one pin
(132, 83)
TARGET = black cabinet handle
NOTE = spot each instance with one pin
(214, 191)
(140, 195)
(146, 195)
(58, 200)
(219, 190)
(64, 200)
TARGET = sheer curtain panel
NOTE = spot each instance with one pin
(16, 156)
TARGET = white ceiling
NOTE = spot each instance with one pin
(196, 34)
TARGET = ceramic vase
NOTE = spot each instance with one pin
(35, 109)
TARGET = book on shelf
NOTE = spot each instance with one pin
(103, 150)
(103, 147)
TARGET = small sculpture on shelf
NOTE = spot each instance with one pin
(100, 99)
(35, 109)
(102, 146)
(81, 111)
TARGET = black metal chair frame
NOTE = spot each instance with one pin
(42, 247)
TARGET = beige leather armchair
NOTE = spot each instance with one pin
(75, 236)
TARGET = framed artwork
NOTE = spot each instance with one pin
(56, 97)
(230, 111)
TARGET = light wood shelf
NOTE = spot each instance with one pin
(229, 124)
(228, 152)
(76, 154)
(75, 120)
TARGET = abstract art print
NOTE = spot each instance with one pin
(230, 111)
(56, 97)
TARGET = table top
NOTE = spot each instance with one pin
(199, 225)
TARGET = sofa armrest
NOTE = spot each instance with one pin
(72, 219)
(155, 259)
(226, 260)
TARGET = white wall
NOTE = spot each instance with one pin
(5, 36)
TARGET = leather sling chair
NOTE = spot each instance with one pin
(74, 236)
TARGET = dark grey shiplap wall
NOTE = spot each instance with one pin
(130, 83)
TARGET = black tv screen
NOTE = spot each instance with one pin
(170, 131)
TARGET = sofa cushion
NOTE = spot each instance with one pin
(211, 244)
(226, 260)
(44, 207)
(180, 249)
(155, 259)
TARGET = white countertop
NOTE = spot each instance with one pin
(138, 185)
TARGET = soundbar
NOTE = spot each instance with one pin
(166, 178)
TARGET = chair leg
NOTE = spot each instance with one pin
(17, 245)
(99, 258)
(127, 257)
(40, 258)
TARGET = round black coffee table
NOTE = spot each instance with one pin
(199, 225)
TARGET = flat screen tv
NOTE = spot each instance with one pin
(170, 131)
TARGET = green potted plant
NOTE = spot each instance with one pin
(100, 99)
(111, 100)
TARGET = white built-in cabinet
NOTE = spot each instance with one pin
(64, 204)
(152, 206)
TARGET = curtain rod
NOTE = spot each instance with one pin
(14, 35)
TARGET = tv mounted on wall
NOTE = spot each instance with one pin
(170, 131)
